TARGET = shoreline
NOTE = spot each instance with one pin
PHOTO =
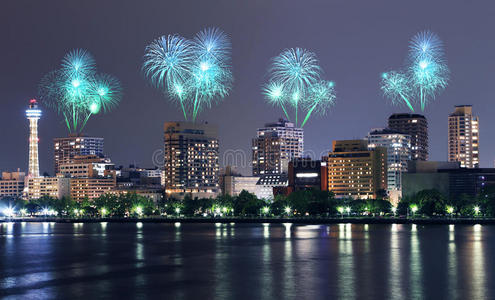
(302, 221)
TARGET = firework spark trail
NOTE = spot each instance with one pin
(322, 96)
(195, 72)
(77, 92)
(425, 75)
(294, 78)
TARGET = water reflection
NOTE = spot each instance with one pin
(246, 261)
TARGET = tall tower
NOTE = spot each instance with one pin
(33, 114)
(464, 137)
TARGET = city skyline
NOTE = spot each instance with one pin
(144, 111)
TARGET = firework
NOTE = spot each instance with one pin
(425, 75)
(195, 72)
(395, 86)
(295, 81)
(77, 92)
(321, 97)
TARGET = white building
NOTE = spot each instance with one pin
(398, 147)
(266, 184)
(234, 185)
(274, 146)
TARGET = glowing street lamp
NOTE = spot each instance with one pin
(103, 212)
(177, 210)
(348, 210)
(414, 208)
(287, 210)
(8, 212)
(139, 210)
(23, 211)
(476, 210)
(394, 210)
(340, 209)
(266, 210)
(450, 210)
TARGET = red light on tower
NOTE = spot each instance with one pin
(32, 101)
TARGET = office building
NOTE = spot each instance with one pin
(448, 178)
(12, 184)
(307, 174)
(356, 171)
(55, 187)
(398, 147)
(90, 187)
(191, 162)
(268, 183)
(33, 114)
(274, 146)
(464, 137)
(416, 126)
(66, 149)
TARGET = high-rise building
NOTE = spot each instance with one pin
(398, 147)
(464, 137)
(33, 114)
(65, 149)
(274, 146)
(356, 171)
(191, 163)
(416, 126)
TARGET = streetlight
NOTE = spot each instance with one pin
(287, 210)
(266, 210)
(450, 210)
(139, 210)
(348, 210)
(414, 208)
(103, 212)
(340, 209)
(8, 212)
(476, 210)
(23, 211)
(177, 210)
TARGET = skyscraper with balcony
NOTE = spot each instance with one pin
(66, 149)
(191, 159)
(464, 137)
(33, 114)
(416, 126)
(274, 146)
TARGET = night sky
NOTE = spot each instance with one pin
(354, 40)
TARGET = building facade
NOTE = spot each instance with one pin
(355, 171)
(191, 158)
(274, 146)
(12, 184)
(464, 137)
(55, 187)
(66, 149)
(398, 147)
(448, 178)
(90, 187)
(306, 174)
(416, 126)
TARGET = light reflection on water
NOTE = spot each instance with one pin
(246, 261)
